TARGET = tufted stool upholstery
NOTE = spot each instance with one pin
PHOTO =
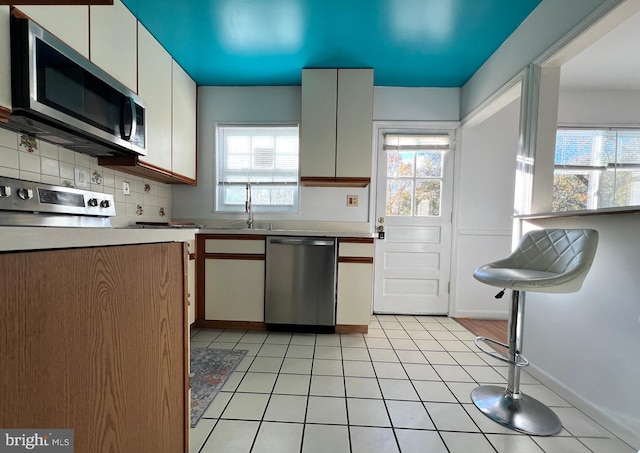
(549, 261)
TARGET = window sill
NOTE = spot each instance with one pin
(584, 213)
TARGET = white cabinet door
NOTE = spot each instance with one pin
(113, 44)
(355, 123)
(355, 282)
(154, 86)
(184, 123)
(337, 123)
(234, 290)
(69, 24)
(355, 293)
(5, 60)
(318, 130)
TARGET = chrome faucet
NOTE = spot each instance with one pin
(247, 207)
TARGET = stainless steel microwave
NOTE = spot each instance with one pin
(61, 97)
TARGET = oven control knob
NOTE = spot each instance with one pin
(93, 202)
(5, 191)
(25, 194)
(105, 204)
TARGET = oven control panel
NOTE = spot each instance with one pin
(28, 196)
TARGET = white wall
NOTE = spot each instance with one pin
(416, 104)
(283, 104)
(588, 343)
(485, 184)
(599, 107)
(549, 22)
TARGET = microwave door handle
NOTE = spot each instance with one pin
(131, 111)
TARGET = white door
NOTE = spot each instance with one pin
(414, 191)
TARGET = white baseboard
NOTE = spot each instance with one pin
(589, 409)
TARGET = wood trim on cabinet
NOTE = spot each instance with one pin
(5, 114)
(235, 256)
(355, 259)
(356, 240)
(324, 181)
(58, 2)
(239, 325)
(248, 237)
(200, 278)
(351, 328)
(134, 166)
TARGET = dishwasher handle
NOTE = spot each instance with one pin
(302, 241)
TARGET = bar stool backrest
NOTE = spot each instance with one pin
(566, 254)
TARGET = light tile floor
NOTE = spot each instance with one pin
(403, 387)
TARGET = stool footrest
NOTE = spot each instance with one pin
(519, 360)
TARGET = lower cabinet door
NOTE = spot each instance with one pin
(355, 293)
(234, 289)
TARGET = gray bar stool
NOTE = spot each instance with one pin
(546, 261)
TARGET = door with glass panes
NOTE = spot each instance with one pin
(414, 191)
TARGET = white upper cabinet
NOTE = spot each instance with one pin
(337, 122)
(5, 62)
(318, 131)
(154, 86)
(69, 24)
(113, 42)
(184, 96)
(355, 123)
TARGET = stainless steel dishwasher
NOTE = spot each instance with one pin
(300, 284)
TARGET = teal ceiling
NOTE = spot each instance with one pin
(413, 43)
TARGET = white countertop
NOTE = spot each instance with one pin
(39, 238)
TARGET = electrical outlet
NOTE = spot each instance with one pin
(82, 178)
(126, 188)
(352, 200)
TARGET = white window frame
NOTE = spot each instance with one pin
(253, 176)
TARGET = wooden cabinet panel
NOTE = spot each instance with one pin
(95, 340)
(113, 42)
(191, 280)
(57, 19)
(184, 124)
(154, 86)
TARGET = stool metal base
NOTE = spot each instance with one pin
(524, 414)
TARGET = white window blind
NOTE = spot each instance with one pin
(264, 156)
(596, 168)
(399, 142)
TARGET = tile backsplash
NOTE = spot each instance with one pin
(148, 201)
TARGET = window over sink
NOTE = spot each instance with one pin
(264, 156)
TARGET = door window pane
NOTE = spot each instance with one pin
(414, 182)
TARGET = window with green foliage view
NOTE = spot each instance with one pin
(596, 168)
(415, 174)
